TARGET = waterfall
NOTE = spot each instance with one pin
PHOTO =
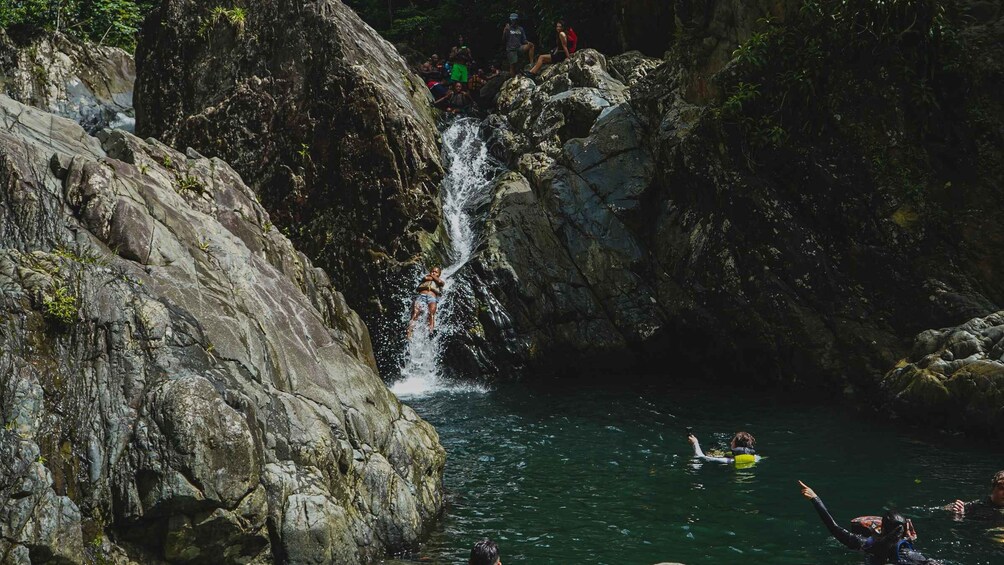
(466, 186)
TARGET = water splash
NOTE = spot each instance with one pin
(466, 187)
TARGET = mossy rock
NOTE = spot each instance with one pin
(921, 389)
(978, 389)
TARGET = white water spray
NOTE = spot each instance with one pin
(466, 186)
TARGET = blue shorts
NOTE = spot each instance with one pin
(426, 299)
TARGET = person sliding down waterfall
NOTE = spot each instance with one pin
(429, 291)
(743, 454)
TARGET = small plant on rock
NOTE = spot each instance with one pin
(61, 306)
(189, 183)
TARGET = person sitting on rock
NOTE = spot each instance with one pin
(893, 545)
(514, 37)
(428, 72)
(437, 67)
(460, 58)
(429, 291)
(485, 552)
(457, 101)
(477, 81)
(990, 507)
(742, 447)
(565, 45)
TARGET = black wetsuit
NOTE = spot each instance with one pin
(898, 551)
(984, 510)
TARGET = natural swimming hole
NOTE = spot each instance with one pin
(582, 474)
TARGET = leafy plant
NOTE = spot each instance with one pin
(110, 22)
(61, 305)
(189, 183)
(235, 16)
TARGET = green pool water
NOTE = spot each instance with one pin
(586, 475)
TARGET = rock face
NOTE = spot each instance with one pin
(954, 375)
(177, 383)
(89, 84)
(634, 231)
(320, 114)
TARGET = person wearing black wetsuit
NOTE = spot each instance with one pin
(892, 546)
(990, 508)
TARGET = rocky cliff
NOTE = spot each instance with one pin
(719, 212)
(320, 114)
(177, 382)
(87, 83)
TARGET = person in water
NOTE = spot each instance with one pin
(485, 552)
(742, 446)
(429, 291)
(989, 507)
(514, 37)
(893, 545)
(564, 47)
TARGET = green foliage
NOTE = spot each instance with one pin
(235, 16)
(61, 305)
(189, 183)
(855, 60)
(110, 22)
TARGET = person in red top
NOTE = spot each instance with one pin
(565, 45)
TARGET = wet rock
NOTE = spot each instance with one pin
(954, 376)
(322, 118)
(797, 268)
(177, 377)
(631, 67)
(87, 83)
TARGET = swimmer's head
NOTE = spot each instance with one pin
(893, 524)
(743, 439)
(485, 552)
(997, 489)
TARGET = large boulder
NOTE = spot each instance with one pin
(319, 114)
(642, 231)
(177, 382)
(87, 83)
(954, 376)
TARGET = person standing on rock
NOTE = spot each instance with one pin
(564, 45)
(485, 552)
(460, 58)
(990, 507)
(429, 291)
(516, 43)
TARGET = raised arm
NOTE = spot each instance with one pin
(853, 541)
(700, 454)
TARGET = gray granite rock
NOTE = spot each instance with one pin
(87, 83)
(176, 377)
(954, 376)
(321, 117)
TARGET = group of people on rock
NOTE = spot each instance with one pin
(452, 83)
(885, 539)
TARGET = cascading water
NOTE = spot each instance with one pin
(470, 170)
